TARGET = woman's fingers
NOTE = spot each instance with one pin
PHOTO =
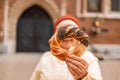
(76, 68)
(75, 71)
(77, 60)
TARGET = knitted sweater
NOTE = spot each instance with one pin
(51, 68)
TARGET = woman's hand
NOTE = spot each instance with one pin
(77, 66)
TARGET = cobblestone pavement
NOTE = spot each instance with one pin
(17, 67)
(21, 66)
(110, 69)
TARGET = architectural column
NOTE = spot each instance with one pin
(63, 7)
(107, 6)
(6, 39)
(78, 8)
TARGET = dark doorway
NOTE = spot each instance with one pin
(34, 29)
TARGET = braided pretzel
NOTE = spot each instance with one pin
(68, 32)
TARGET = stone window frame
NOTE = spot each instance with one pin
(106, 12)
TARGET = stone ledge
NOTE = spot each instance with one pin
(3, 48)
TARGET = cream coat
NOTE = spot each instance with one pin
(51, 68)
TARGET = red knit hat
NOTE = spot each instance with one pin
(66, 17)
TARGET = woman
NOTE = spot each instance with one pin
(68, 58)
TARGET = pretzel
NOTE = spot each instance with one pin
(68, 32)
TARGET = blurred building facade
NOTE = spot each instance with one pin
(19, 18)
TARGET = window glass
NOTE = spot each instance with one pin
(115, 5)
(94, 5)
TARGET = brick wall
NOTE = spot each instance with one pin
(111, 37)
(11, 2)
(58, 3)
(71, 7)
(1, 19)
